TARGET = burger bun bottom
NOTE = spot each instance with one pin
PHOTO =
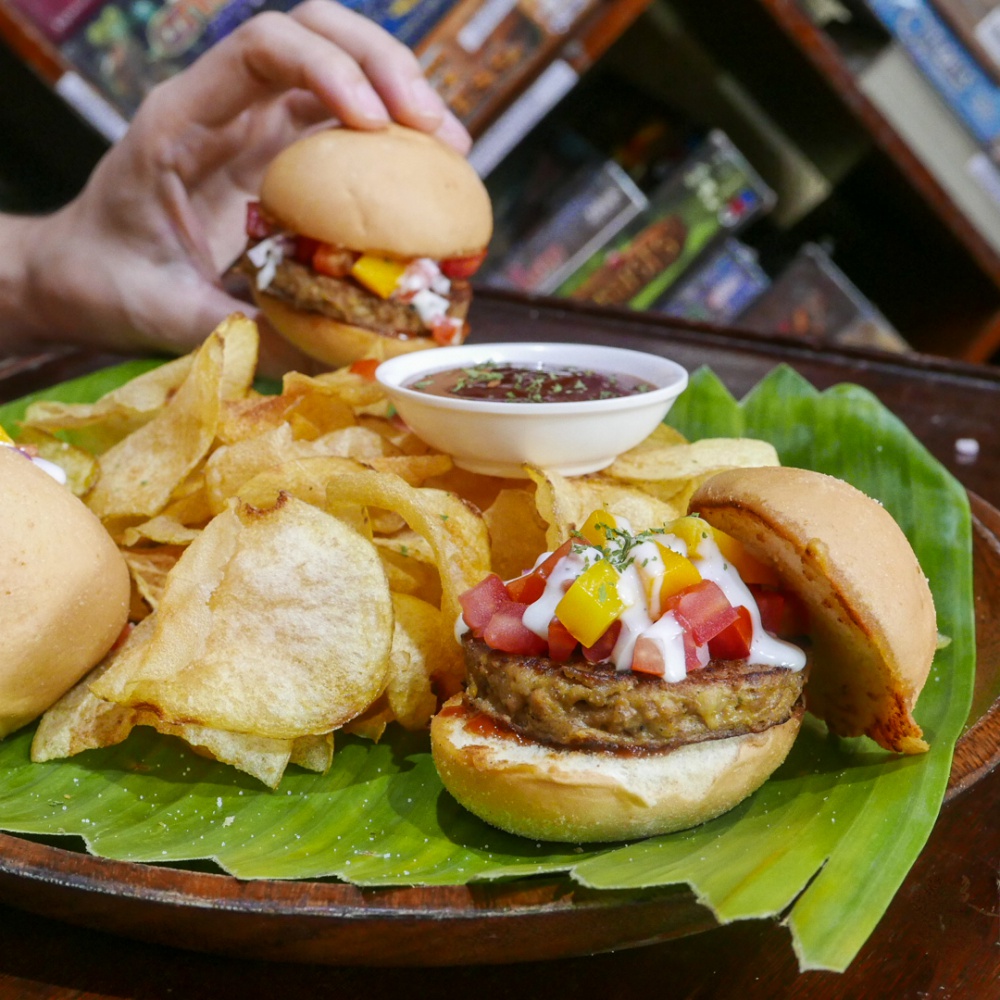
(327, 340)
(553, 794)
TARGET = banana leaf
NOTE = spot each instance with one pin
(824, 845)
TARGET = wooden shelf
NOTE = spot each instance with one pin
(824, 54)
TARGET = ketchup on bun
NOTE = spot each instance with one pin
(64, 589)
(635, 684)
(362, 243)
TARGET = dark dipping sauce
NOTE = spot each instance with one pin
(506, 383)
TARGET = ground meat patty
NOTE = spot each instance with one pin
(592, 706)
(347, 302)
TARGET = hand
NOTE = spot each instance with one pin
(135, 261)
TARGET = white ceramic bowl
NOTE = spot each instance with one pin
(498, 438)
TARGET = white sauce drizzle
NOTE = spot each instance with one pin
(57, 472)
(639, 588)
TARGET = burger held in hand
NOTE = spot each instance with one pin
(637, 683)
(64, 588)
(362, 243)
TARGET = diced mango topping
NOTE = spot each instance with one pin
(594, 529)
(378, 274)
(679, 573)
(690, 530)
(592, 603)
(751, 569)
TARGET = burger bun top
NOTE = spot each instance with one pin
(65, 589)
(395, 190)
(871, 614)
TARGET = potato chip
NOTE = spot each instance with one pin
(306, 479)
(455, 532)
(681, 462)
(230, 466)
(473, 486)
(407, 575)
(424, 649)
(247, 418)
(517, 532)
(161, 529)
(149, 569)
(342, 385)
(565, 503)
(372, 723)
(81, 721)
(97, 426)
(415, 469)
(260, 629)
(140, 473)
(313, 753)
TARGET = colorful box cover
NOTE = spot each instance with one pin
(599, 202)
(719, 289)
(977, 25)
(126, 48)
(57, 19)
(813, 298)
(968, 89)
(714, 193)
(485, 50)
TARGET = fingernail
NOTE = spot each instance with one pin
(453, 132)
(367, 104)
(426, 99)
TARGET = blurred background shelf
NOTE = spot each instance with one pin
(879, 188)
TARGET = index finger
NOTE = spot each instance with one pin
(356, 68)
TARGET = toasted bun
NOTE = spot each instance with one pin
(394, 190)
(872, 618)
(334, 343)
(547, 793)
(64, 588)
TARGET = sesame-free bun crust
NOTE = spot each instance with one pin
(330, 341)
(64, 590)
(394, 190)
(872, 620)
(547, 793)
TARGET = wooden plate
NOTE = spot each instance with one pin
(332, 923)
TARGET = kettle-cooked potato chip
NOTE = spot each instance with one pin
(424, 655)
(260, 629)
(80, 721)
(454, 530)
(140, 473)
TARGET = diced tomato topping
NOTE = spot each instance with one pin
(561, 641)
(770, 604)
(447, 331)
(647, 658)
(529, 588)
(526, 589)
(692, 661)
(332, 261)
(781, 612)
(507, 632)
(365, 367)
(257, 226)
(462, 267)
(703, 610)
(305, 249)
(482, 601)
(733, 642)
(604, 646)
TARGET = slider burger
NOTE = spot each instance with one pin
(633, 684)
(64, 588)
(363, 243)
